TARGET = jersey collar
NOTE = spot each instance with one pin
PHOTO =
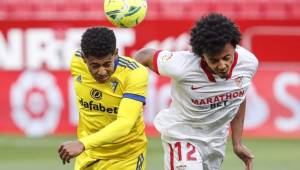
(208, 73)
(204, 66)
(116, 62)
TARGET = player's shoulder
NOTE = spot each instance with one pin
(130, 65)
(176, 55)
(184, 53)
(177, 60)
(77, 64)
(176, 64)
(78, 53)
(246, 56)
(133, 73)
(77, 56)
(246, 59)
(126, 59)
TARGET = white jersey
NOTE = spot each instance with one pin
(202, 104)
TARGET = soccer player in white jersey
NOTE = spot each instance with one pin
(208, 88)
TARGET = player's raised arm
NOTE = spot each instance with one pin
(145, 57)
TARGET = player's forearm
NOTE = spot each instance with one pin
(237, 125)
(145, 57)
(127, 116)
(110, 133)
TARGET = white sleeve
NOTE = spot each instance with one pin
(170, 64)
(255, 65)
(249, 60)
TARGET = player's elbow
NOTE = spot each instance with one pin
(144, 56)
(139, 56)
(125, 128)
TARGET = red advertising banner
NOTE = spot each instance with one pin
(273, 102)
(37, 97)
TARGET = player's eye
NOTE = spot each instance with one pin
(213, 61)
(226, 58)
(106, 65)
(95, 66)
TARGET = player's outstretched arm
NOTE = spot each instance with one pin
(237, 129)
(145, 57)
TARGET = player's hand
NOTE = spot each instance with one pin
(69, 150)
(244, 154)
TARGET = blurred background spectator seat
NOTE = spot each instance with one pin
(158, 9)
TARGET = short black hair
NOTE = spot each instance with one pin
(98, 42)
(212, 32)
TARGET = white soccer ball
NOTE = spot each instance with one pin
(125, 13)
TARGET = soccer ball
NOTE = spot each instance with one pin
(125, 13)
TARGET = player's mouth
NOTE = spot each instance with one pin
(222, 73)
(102, 78)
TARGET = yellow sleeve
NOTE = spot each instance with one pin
(129, 111)
(136, 84)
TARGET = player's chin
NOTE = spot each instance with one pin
(102, 80)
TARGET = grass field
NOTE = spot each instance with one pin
(17, 153)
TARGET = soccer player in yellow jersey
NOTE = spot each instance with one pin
(110, 92)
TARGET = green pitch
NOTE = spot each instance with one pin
(17, 153)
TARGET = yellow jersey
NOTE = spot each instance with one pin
(98, 105)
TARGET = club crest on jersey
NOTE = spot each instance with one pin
(239, 81)
(96, 94)
(166, 57)
(114, 85)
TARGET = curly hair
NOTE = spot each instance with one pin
(98, 42)
(211, 33)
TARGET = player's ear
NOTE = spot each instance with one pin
(116, 51)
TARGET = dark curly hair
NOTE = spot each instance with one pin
(212, 32)
(98, 42)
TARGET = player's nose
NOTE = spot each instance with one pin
(101, 71)
(222, 66)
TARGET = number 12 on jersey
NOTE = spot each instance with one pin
(183, 151)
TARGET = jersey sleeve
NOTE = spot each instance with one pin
(255, 64)
(136, 84)
(169, 64)
(250, 61)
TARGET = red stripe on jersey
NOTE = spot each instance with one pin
(171, 157)
(207, 72)
(233, 65)
(154, 61)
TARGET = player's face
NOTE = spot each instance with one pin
(220, 64)
(101, 69)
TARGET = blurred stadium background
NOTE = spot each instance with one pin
(38, 37)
